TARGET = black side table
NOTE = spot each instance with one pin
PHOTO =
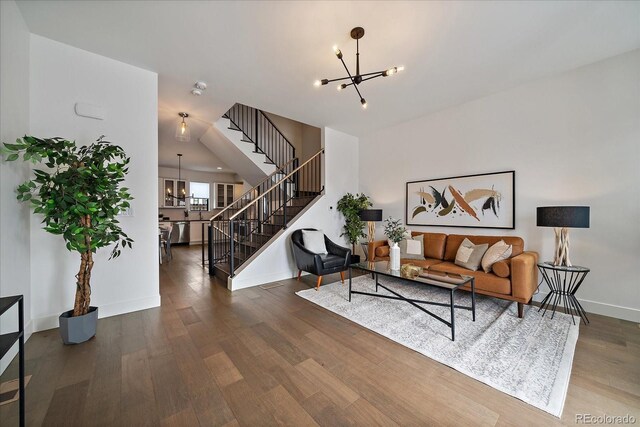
(563, 282)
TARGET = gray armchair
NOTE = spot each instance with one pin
(336, 260)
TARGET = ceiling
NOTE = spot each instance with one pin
(267, 54)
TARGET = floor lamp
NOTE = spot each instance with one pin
(562, 218)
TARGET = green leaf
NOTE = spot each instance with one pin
(12, 157)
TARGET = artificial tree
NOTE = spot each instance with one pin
(350, 206)
(79, 196)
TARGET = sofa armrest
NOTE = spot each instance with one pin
(524, 275)
(372, 248)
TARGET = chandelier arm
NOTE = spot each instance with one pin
(351, 77)
(370, 74)
(372, 77)
(341, 78)
(379, 74)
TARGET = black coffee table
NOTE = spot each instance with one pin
(446, 281)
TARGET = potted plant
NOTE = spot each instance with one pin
(350, 206)
(395, 232)
(79, 195)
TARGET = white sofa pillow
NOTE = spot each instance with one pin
(314, 241)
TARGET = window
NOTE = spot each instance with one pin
(199, 196)
(199, 190)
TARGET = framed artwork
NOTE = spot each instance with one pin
(482, 201)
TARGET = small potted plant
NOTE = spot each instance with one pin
(79, 196)
(350, 206)
(395, 232)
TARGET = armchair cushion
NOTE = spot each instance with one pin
(330, 261)
(314, 241)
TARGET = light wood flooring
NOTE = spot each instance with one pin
(267, 357)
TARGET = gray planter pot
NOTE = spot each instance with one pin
(76, 330)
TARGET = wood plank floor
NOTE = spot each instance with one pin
(267, 357)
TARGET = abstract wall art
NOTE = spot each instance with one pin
(482, 201)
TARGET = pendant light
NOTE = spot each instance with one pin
(183, 133)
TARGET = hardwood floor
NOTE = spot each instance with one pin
(267, 357)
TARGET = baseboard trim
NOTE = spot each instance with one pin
(123, 307)
(604, 309)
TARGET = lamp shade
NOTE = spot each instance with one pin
(563, 216)
(371, 215)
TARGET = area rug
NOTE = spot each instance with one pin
(528, 358)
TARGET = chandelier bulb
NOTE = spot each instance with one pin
(317, 83)
(400, 68)
(364, 103)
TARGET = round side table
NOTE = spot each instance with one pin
(563, 281)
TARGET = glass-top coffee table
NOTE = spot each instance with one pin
(448, 282)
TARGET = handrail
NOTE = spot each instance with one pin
(276, 185)
(255, 126)
(278, 170)
(276, 128)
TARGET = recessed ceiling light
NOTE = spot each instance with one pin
(219, 168)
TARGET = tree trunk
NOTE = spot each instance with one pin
(83, 283)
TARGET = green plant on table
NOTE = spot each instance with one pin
(350, 206)
(394, 230)
(79, 194)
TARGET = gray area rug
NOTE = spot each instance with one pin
(528, 358)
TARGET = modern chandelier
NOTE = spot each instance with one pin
(354, 80)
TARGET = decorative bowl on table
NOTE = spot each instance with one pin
(410, 271)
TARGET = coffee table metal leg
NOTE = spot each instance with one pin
(453, 318)
(473, 299)
(349, 283)
(376, 279)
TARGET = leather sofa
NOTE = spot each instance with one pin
(515, 279)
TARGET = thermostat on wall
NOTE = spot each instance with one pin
(91, 111)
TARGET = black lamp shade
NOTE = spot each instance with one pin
(563, 216)
(372, 215)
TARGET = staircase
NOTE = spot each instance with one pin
(238, 232)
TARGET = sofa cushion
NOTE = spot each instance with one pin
(454, 241)
(483, 281)
(382, 251)
(502, 268)
(497, 252)
(424, 263)
(412, 248)
(469, 255)
(434, 244)
(330, 260)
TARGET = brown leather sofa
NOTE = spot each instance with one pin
(514, 279)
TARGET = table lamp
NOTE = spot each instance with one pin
(562, 218)
(371, 216)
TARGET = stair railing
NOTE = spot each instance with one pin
(258, 129)
(237, 233)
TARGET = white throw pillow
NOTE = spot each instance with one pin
(314, 241)
(497, 252)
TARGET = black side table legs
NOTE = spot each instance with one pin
(563, 283)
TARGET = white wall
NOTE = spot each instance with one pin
(276, 262)
(572, 139)
(15, 274)
(60, 76)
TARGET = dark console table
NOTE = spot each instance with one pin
(9, 339)
(564, 282)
